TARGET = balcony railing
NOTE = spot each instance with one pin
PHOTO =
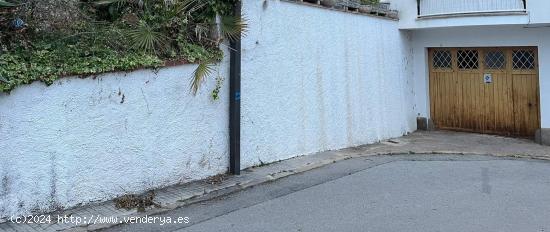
(433, 8)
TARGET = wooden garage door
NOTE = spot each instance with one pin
(485, 90)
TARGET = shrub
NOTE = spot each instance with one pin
(85, 37)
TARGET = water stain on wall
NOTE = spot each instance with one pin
(321, 101)
(53, 180)
(303, 111)
(4, 191)
(349, 116)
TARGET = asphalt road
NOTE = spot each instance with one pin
(398, 193)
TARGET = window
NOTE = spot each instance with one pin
(495, 60)
(442, 59)
(468, 59)
(523, 59)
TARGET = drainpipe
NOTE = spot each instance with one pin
(235, 101)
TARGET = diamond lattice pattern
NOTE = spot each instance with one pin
(495, 60)
(523, 59)
(442, 59)
(468, 59)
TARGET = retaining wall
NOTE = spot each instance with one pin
(316, 79)
(313, 80)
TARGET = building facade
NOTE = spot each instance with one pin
(481, 66)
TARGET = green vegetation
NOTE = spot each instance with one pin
(43, 40)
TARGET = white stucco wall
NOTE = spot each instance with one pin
(76, 141)
(493, 36)
(316, 79)
(313, 80)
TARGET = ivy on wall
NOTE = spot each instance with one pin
(43, 40)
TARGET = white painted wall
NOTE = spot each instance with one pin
(537, 13)
(481, 37)
(316, 79)
(76, 141)
(313, 80)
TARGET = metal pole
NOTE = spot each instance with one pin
(235, 101)
(418, 7)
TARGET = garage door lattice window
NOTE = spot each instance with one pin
(495, 60)
(468, 59)
(442, 59)
(524, 59)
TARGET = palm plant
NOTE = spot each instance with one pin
(232, 27)
(203, 70)
(171, 19)
(146, 38)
